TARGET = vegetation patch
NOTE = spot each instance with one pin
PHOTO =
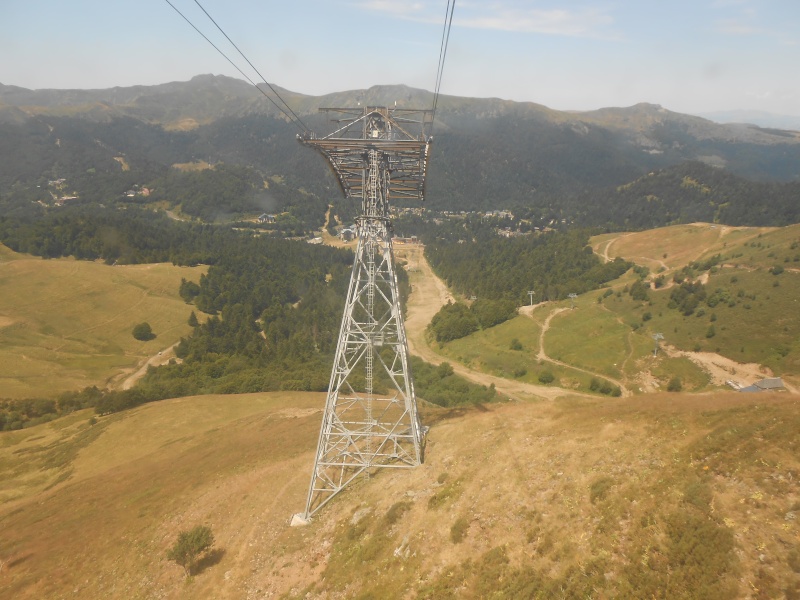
(599, 489)
(449, 491)
(441, 386)
(458, 531)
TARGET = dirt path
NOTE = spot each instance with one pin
(162, 358)
(609, 243)
(542, 355)
(332, 240)
(428, 295)
(722, 369)
(545, 326)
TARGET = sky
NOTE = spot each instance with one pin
(690, 56)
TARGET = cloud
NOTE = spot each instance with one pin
(506, 15)
(408, 10)
(737, 27)
(582, 23)
(760, 95)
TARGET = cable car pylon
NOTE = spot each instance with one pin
(370, 419)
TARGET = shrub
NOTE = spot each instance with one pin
(699, 495)
(397, 510)
(793, 559)
(447, 492)
(638, 291)
(515, 344)
(189, 546)
(599, 488)
(143, 332)
(453, 321)
(546, 377)
(459, 530)
(188, 290)
(675, 385)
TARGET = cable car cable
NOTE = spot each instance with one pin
(448, 23)
(300, 125)
(274, 91)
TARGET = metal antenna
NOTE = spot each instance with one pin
(370, 417)
(531, 293)
(656, 337)
(572, 299)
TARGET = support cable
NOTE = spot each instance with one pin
(448, 22)
(296, 120)
(274, 91)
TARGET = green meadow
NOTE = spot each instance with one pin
(751, 277)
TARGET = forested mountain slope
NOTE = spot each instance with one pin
(487, 153)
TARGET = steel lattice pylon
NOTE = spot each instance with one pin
(370, 417)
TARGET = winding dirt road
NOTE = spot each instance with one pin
(542, 356)
(159, 359)
(428, 295)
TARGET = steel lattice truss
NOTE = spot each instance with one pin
(400, 136)
(370, 417)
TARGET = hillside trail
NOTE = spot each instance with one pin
(428, 295)
(332, 240)
(719, 368)
(162, 358)
(542, 355)
(696, 255)
(609, 243)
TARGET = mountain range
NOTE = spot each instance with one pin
(756, 117)
(487, 152)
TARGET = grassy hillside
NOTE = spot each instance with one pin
(66, 324)
(752, 330)
(754, 272)
(658, 495)
(672, 496)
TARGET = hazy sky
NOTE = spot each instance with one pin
(690, 56)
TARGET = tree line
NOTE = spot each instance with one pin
(274, 306)
(553, 265)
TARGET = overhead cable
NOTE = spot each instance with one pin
(274, 91)
(448, 22)
(296, 120)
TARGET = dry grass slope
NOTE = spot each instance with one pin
(669, 496)
(66, 324)
(656, 496)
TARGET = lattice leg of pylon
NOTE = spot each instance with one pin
(370, 417)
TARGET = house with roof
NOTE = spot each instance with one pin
(770, 384)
